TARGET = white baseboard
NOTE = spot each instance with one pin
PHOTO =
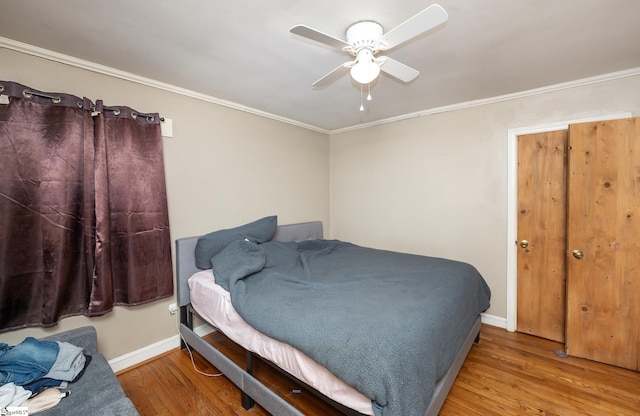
(494, 320)
(132, 358)
(136, 357)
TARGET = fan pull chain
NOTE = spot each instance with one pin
(362, 95)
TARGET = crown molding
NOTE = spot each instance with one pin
(105, 70)
(127, 76)
(507, 97)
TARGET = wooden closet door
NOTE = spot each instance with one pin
(603, 233)
(541, 234)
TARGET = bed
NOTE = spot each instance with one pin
(232, 295)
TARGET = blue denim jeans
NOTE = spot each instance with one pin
(27, 361)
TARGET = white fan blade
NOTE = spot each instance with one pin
(398, 70)
(318, 36)
(427, 19)
(332, 76)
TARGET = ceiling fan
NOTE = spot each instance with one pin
(365, 39)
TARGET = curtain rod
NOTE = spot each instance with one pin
(56, 100)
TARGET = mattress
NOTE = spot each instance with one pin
(213, 304)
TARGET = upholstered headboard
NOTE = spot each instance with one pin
(185, 252)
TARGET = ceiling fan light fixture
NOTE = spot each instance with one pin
(366, 69)
(366, 38)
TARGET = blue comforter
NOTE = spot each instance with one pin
(388, 324)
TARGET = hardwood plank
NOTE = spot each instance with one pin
(505, 374)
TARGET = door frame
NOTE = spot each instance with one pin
(512, 201)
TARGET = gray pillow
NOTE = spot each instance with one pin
(211, 244)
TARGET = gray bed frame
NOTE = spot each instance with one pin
(252, 389)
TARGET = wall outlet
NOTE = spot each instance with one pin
(173, 308)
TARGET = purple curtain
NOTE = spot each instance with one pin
(83, 210)
(133, 247)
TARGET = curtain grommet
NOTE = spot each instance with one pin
(29, 94)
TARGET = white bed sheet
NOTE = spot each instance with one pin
(213, 303)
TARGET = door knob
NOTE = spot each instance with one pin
(524, 244)
(577, 254)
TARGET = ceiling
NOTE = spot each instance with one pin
(241, 52)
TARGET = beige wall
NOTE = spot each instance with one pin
(437, 184)
(223, 167)
(434, 185)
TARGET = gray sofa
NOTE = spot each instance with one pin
(97, 392)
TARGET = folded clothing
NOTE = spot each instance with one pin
(12, 395)
(32, 361)
(26, 362)
(32, 371)
(44, 383)
(69, 362)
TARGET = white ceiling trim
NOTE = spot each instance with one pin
(127, 76)
(105, 70)
(475, 103)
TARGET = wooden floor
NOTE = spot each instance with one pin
(505, 374)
